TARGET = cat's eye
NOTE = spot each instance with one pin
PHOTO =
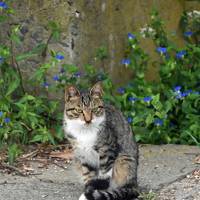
(79, 110)
(97, 109)
(73, 112)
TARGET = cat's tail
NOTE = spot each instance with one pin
(121, 193)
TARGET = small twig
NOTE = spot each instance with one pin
(27, 127)
(18, 171)
(31, 154)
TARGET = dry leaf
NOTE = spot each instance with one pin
(66, 154)
(28, 168)
(197, 160)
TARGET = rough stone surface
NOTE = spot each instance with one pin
(87, 24)
(163, 169)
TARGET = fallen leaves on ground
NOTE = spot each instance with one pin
(42, 154)
(66, 154)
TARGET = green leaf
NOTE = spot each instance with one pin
(13, 152)
(38, 138)
(156, 102)
(13, 86)
(37, 50)
(72, 68)
(149, 119)
(89, 69)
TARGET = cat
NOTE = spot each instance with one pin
(104, 145)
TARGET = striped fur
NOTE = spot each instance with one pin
(104, 146)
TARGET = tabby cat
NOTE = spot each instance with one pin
(104, 145)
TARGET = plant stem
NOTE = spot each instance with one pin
(44, 53)
(15, 64)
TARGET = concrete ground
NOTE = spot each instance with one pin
(169, 171)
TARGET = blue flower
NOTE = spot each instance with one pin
(1, 113)
(187, 92)
(1, 60)
(7, 120)
(129, 120)
(56, 78)
(3, 5)
(181, 95)
(59, 57)
(132, 99)
(126, 61)
(158, 122)
(77, 74)
(180, 54)
(161, 50)
(184, 94)
(131, 36)
(177, 88)
(147, 99)
(188, 33)
(121, 90)
(45, 84)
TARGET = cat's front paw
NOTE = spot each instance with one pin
(82, 197)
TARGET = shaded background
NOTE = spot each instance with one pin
(89, 24)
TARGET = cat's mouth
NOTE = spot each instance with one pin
(88, 124)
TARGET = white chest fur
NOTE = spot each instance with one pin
(86, 136)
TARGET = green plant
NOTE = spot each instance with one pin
(28, 116)
(165, 111)
(168, 110)
(13, 152)
(148, 196)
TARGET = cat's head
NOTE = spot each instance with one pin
(87, 106)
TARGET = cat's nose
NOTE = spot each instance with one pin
(87, 114)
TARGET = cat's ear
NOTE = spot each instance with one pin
(97, 90)
(71, 92)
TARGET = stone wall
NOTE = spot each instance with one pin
(107, 22)
(88, 24)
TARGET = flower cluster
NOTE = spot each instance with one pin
(194, 14)
(147, 31)
(181, 94)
